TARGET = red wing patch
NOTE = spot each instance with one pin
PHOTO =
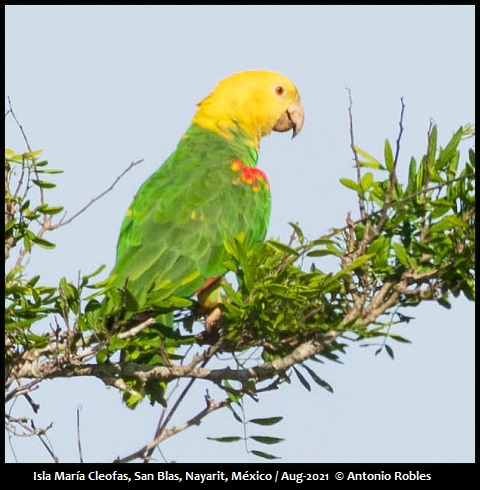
(250, 175)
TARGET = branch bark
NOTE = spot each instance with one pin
(111, 373)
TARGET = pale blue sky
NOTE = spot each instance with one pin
(97, 87)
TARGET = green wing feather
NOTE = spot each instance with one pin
(173, 236)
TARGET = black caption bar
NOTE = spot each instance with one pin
(228, 474)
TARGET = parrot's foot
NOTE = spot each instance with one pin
(211, 334)
(212, 321)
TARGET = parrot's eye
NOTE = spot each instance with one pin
(280, 90)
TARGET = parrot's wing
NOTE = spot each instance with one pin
(173, 237)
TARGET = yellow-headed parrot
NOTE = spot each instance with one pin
(208, 192)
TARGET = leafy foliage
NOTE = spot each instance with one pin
(416, 243)
(249, 439)
(413, 241)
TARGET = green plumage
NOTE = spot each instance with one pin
(173, 236)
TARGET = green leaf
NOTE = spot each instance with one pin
(421, 174)
(102, 356)
(399, 338)
(369, 161)
(263, 455)
(235, 414)
(43, 243)
(453, 165)
(321, 382)
(389, 351)
(302, 379)
(49, 171)
(388, 155)
(298, 231)
(225, 439)
(10, 154)
(282, 247)
(366, 181)
(432, 144)
(266, 421)
(177, 302)
(27, 243)
(92, 305)
(322, 241)
(450, 151)
(267, 439)
(357, 262)
(441, 207)
(32, 154)
(322, 253)
(468, 289)
(445, 303)
(434, 175)
(380, 247)
(117, 344)
(279, 319)
(86, 277)
(43, 184)
(50, 210)
(447, 223)
(351, 184)
(401, 253)
(412, 176)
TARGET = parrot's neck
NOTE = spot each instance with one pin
(228, 127)
(237, 143)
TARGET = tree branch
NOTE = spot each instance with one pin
(111, 374)
(64, 222)
(144, 452)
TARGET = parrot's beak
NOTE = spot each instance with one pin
(292, 118)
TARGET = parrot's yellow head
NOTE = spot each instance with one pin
(255, 102)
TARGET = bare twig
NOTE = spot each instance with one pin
(400, 132)
(11, 111)
(196, 420)
(41, 434)
(79, 442)
(361, 201)
(393, 176)
(166, 417)
(64, 222)
(132, 332)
